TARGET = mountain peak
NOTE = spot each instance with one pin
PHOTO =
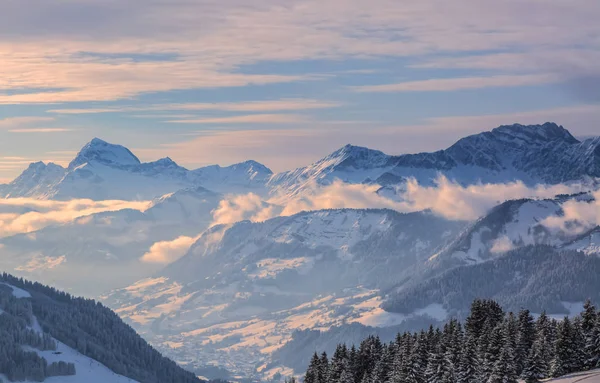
(546, 132)
(357, 157)
(98, 150)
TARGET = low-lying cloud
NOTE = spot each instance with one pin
(235, 208)
(445, 198)
(578, 216)
(24, 215)
(165, 252)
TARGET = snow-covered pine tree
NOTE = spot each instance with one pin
(593, 345)
(579, 357)
(535, 366)
(323, 369)
(491, 353)
(525, 338)
(312, 372)
(468, 369)
(417, 361)
(340, 357)
(505, 368)
(562, 363)
(434, 371)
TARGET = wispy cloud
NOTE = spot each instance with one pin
(250, 106)
(13, 122)
(461, 83)
(247, 119)
(23, 215)
(120, 50)
(40, 130)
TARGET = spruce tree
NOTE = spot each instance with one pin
(562, 363)
(535, 366)
(525, 338)
(592, 346)
(434, 371)
(312, 372)
(468, 370)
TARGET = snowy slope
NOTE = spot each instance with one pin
(102, 171)
(79, 330)
(584, 377)
(515, 224)
(534, 154)
(87, 369)
(242, 290)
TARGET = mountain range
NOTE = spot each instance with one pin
(533, 154)
(256, 297)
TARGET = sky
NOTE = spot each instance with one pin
(285, 82)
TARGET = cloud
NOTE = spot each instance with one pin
(578, 216)
(461, 83)
(168, 251)
(40, 130)
(24, 215)
(502, 245)
(445, 198)
(235, 208)
(249, 106)
(13, 122)
(114, 50)
(29, 124)
(42, 263)
(246, 119)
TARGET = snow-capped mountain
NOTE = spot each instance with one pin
(103, 171)
(534, 154)
(35, 181)
(248, 176)
(243, 289)
(78, 255)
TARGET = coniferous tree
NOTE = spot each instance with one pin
(536, 367)
(312, 372)
(492, 350)
(468, 371)
(434, 371)
(417, 361)
(592, 346)
(525, 339)
(339, 361)
(323, 369)
(563, 362)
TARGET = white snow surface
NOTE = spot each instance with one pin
(592, 376)
(87, 370)
(17, 292)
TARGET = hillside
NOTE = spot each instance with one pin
(48, 333)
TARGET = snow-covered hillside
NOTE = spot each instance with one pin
(519, 223)
(45, 327)
(534, 154)
(242, 290)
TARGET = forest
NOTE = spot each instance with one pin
(82, 324)
(490, 346)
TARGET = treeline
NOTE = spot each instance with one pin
(97, 332)
(18, 360)
(491, 346)
(537, 277)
